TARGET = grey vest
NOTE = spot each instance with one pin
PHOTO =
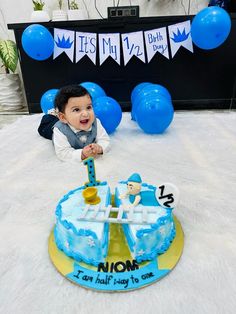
(80, 139)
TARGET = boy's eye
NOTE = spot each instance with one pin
(76, 109)
(89, 107)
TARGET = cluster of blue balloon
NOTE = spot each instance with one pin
(37, 42)
(106, 109)
(210, 27)
(152, 107)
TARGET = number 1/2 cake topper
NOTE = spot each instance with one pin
(167, 195)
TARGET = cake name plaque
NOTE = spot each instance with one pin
(117, 281)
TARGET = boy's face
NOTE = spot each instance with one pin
(78, 113)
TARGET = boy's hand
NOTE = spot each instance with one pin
(96, 149)
(91, 150)
(86, 152)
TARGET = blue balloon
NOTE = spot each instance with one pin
(37, 42)
(108, 111)
(150, 90)
(210, 27)
(47, 100)
(134, 93)
(154, 115)
(137, 89)
(93, 89)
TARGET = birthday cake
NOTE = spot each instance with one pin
(84, 215)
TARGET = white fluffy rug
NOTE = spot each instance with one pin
(197, 153)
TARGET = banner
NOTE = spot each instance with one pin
(133, 44)
(64, 42)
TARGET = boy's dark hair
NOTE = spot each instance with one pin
(67, 92)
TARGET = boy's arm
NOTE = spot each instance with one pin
(63, 149)
(103, 138)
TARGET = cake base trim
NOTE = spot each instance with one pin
(120, 272)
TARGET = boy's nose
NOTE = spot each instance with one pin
(84, 112)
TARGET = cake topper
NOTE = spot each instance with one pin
(90, 195)
(167, 195)
(89, 162)
(134, 185)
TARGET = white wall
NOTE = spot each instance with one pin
(18, 11)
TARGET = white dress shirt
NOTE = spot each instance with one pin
(65, 152)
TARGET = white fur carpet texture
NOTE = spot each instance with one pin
(197, 153)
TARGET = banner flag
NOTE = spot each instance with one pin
(133, 45)
(156, 41)
(64, 42)
(86, 44)
(109, 45)
(180, 35)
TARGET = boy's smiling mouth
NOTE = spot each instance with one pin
(84, 121)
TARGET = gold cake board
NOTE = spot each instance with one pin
(119, 276)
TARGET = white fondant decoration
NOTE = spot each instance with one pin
(167, 195)
(109, 45)
(86, 44)
(180, 35)
(140, 253)
(156, 41)
(136, 215)
(133, 45)
(91, 242)
(64, 41)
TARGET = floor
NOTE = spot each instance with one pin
(7, 118)
(197, 153)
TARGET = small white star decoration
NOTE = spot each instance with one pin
(140, 252)
(162, 230)
(91, 242)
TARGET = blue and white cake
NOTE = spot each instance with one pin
(82, 240)
(145, 212)
(148, 240)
